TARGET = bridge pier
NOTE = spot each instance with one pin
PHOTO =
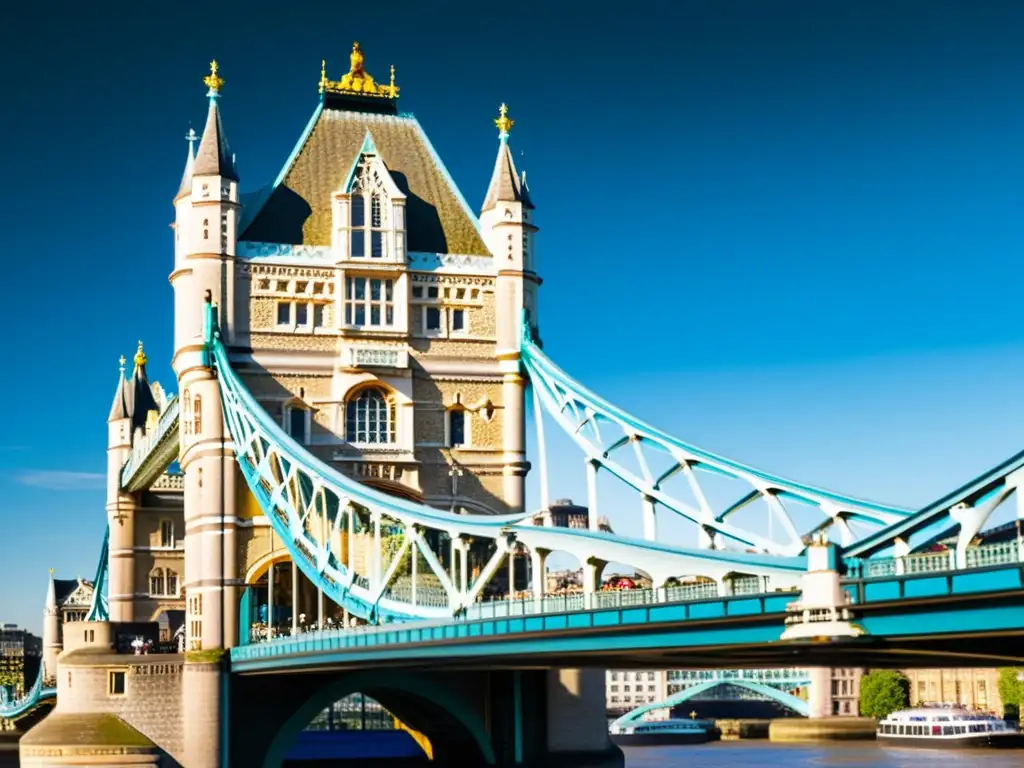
(471, 718)
(204, 709)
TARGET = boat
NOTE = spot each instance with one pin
(651, 733)
(947, 727)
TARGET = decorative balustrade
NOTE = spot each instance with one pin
(166, 425)
(365, 356)
(983, 556)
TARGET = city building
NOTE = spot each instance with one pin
(974, 688)
(20, 657)
(845, 691)
(628, 689)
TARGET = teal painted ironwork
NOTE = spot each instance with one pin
(308, 501)
(603, 432)
(98, 607)
(659, 625)
(788, 700)
(33, 698)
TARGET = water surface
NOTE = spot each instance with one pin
(765, 754)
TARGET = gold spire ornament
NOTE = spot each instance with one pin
(121, 362)
(213, 81)
(504, 123)
(140, 357)
(357, 81)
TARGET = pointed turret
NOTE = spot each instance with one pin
(505, 186)
(185, 188)
(51, 631)
(214, 157)
(121, 407)
(51, 596)
(140, 392)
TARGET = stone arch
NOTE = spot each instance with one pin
(263, 563)
(416, 700)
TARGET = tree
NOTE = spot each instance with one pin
(882, 692)
(1011, 691)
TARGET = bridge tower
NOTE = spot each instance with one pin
(205, 233)
(506, 220)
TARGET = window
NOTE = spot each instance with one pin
(156, 582)
(370, 418)
(197, 414)
(318, 315)
(369, 302)
(417, 291)
(458, 321)
(456, 428)
(301, 314)
(115, 683)
(432, 319)
(166, 533)
(172, 583)
(296, 422)
(362, 238)
(432, 292)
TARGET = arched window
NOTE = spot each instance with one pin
(197, 414)
(370, 417)
(172, 583)
(156, 581)
(456, 428)
(366, 233)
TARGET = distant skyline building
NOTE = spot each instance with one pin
(20, 657)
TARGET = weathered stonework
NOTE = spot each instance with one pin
(300, 342)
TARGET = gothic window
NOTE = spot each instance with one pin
(369, 302)
(367, 217)
(456, 428)
(197, 414)
(166, 533)
(172, 583)
(206, 229)
(156, 582)
(370, 417)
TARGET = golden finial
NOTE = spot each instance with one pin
(504, 123)
(121, 362)
(214, 81)
(357, 80)
(51, 571)
(140, 357)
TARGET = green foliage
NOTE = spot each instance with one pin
(1011, 691)
(882, 692)
(211, 656)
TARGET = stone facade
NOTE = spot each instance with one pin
(974, 688)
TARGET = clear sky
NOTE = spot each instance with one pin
(789, 232)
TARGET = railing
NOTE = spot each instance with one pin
(687, 677)
(143, 448)
(998, 553)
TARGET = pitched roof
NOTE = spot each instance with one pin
(506, 186)
(214, 157)
(121, 407)
(298, 211)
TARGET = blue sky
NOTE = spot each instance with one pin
(788, 232)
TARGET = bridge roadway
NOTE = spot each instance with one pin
(908, 620)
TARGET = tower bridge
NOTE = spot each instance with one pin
(355, 350)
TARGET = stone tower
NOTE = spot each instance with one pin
(506, 220)
(206, 223)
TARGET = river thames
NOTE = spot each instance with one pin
(741, 754)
